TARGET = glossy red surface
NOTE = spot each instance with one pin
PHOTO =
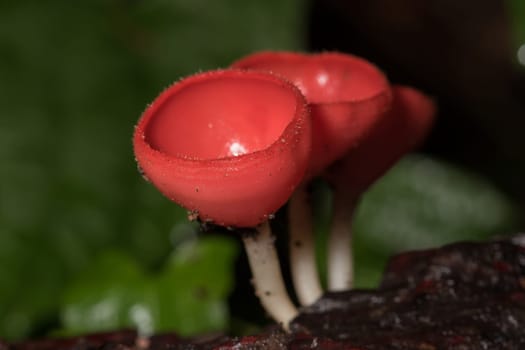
(347, 95)
(229, 145)
(403, 128)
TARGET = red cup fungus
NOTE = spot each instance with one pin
(347, 96)
(231, 146)
(401, 130)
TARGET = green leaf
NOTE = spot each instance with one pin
(105, 296)
(194, 284)
(424, 203)
(188, 296)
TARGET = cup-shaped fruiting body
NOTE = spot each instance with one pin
(347, 96)
(231, 146)
(228, 145)
(401, 130)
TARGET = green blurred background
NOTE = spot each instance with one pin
(87, 245)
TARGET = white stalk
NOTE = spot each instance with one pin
(340, 256)
(267, 277)
(305, 275)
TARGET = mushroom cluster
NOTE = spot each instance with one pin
(233, 146)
